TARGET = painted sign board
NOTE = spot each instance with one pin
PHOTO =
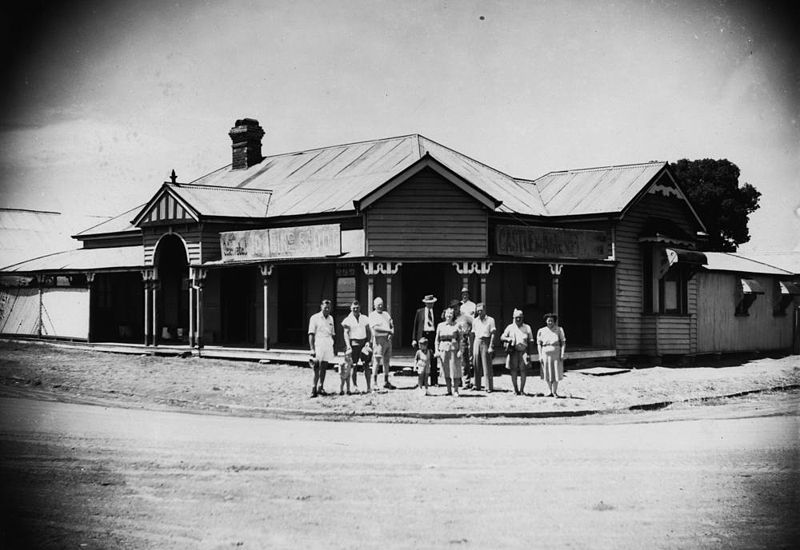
(544, 242)
(308, 241)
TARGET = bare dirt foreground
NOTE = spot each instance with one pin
(244, 388)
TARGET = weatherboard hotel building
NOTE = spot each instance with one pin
(234, 263)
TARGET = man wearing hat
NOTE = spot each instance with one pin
(425, 326)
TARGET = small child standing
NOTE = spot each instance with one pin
(345, 368)
(422, 364)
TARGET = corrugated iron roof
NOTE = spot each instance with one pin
(790, 261)
(599, 190)
(120, 223)
(726, 261)
(330, 179)
(224, 201)
(27, 233)
(82, 259)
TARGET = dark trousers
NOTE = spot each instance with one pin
(434, 375)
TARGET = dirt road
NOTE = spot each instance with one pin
(78, 476)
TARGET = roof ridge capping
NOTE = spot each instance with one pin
(492, 168)
(609, 167)
(347, 144)
(217, 187)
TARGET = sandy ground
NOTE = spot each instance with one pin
(254, 389)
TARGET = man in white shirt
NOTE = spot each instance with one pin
(483, 329)
(356, 335)
(467, 305)
(321, 332)
(380, 322)
(518, 337)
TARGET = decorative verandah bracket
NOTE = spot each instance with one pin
(266, 272)
(465, 269)
(150, 282)
(388, 269)
(555, 271)
(197, 276)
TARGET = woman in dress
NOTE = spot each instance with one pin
(448, 345)
(552, 343)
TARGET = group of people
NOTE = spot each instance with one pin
(459, 346)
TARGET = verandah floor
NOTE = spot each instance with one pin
(402, 357)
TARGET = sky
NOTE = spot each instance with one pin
(103, 99)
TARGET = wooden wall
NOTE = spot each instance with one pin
(634, 330)
(720, 330)
(427, 216)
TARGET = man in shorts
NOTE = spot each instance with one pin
(321, 332)
(382, 327)
(356, 336)
(519, 342)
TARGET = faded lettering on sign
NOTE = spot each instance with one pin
(545, 242)
(310, 241)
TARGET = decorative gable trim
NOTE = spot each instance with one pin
(427, 161)
(666, 188)
(166, 207)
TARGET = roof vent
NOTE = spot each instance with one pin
(246, 137)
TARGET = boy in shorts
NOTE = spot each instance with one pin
(345, 368)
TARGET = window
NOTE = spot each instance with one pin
(665, 281)
(747, 291)
(345, 285)
(785, 293)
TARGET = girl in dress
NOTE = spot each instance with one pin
(422, 364)
(552, 343)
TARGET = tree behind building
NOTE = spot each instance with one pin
(723, 205)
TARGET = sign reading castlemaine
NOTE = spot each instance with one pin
(309, 241)
(542, 242)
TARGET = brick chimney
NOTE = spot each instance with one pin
(246, 137)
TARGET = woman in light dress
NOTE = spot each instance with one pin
(448, 346)
(552, 343)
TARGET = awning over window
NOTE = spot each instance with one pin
(751, 286)
(688, 257)
(788, 288)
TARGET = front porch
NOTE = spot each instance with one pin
(402, 358)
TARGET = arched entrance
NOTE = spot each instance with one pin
(173, 296)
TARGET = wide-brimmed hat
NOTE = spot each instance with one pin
(465, 289)
(429, 299)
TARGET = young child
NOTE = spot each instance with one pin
(422, 363)
(345, 368)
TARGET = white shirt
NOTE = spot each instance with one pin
(380, 323)
(320, 326)
(483, 328)
(356, 328)
(430, 324)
